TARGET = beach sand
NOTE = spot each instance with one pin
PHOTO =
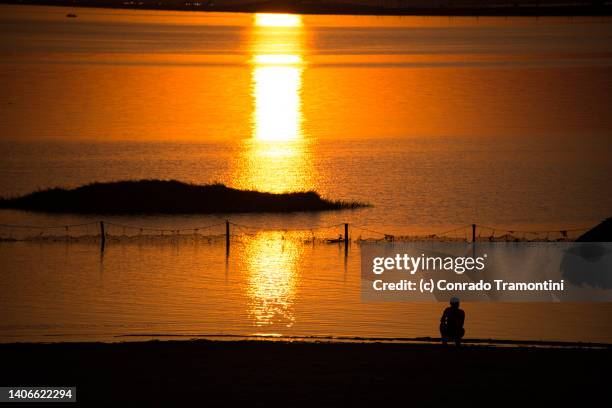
(271, 373)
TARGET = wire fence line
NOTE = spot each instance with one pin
(96, 231)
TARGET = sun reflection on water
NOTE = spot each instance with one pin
(277, 77)
(276, 159)
(277, 20)
(276, 156)
(276, 88)
(272, 267)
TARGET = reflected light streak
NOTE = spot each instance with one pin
(277, 20)
(276, 157)
(272, 266)
(277, 113)
(277, 59)
(277, 77)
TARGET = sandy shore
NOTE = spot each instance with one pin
(268, 373)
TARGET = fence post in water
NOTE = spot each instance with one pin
(227, 237)
(346, 237)
(102, 236)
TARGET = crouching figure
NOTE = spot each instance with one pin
(451, 323)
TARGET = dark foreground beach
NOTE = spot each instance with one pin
(267, 373)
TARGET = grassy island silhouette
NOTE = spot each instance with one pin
(169, 197)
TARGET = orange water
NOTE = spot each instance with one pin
(437, 122)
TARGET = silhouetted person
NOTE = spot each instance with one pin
(451, 323)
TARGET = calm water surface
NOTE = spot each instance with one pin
(437, 122)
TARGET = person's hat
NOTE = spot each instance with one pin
(454, 301)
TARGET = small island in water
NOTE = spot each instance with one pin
(169, 197)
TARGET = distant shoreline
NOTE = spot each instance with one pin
(286, 6)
